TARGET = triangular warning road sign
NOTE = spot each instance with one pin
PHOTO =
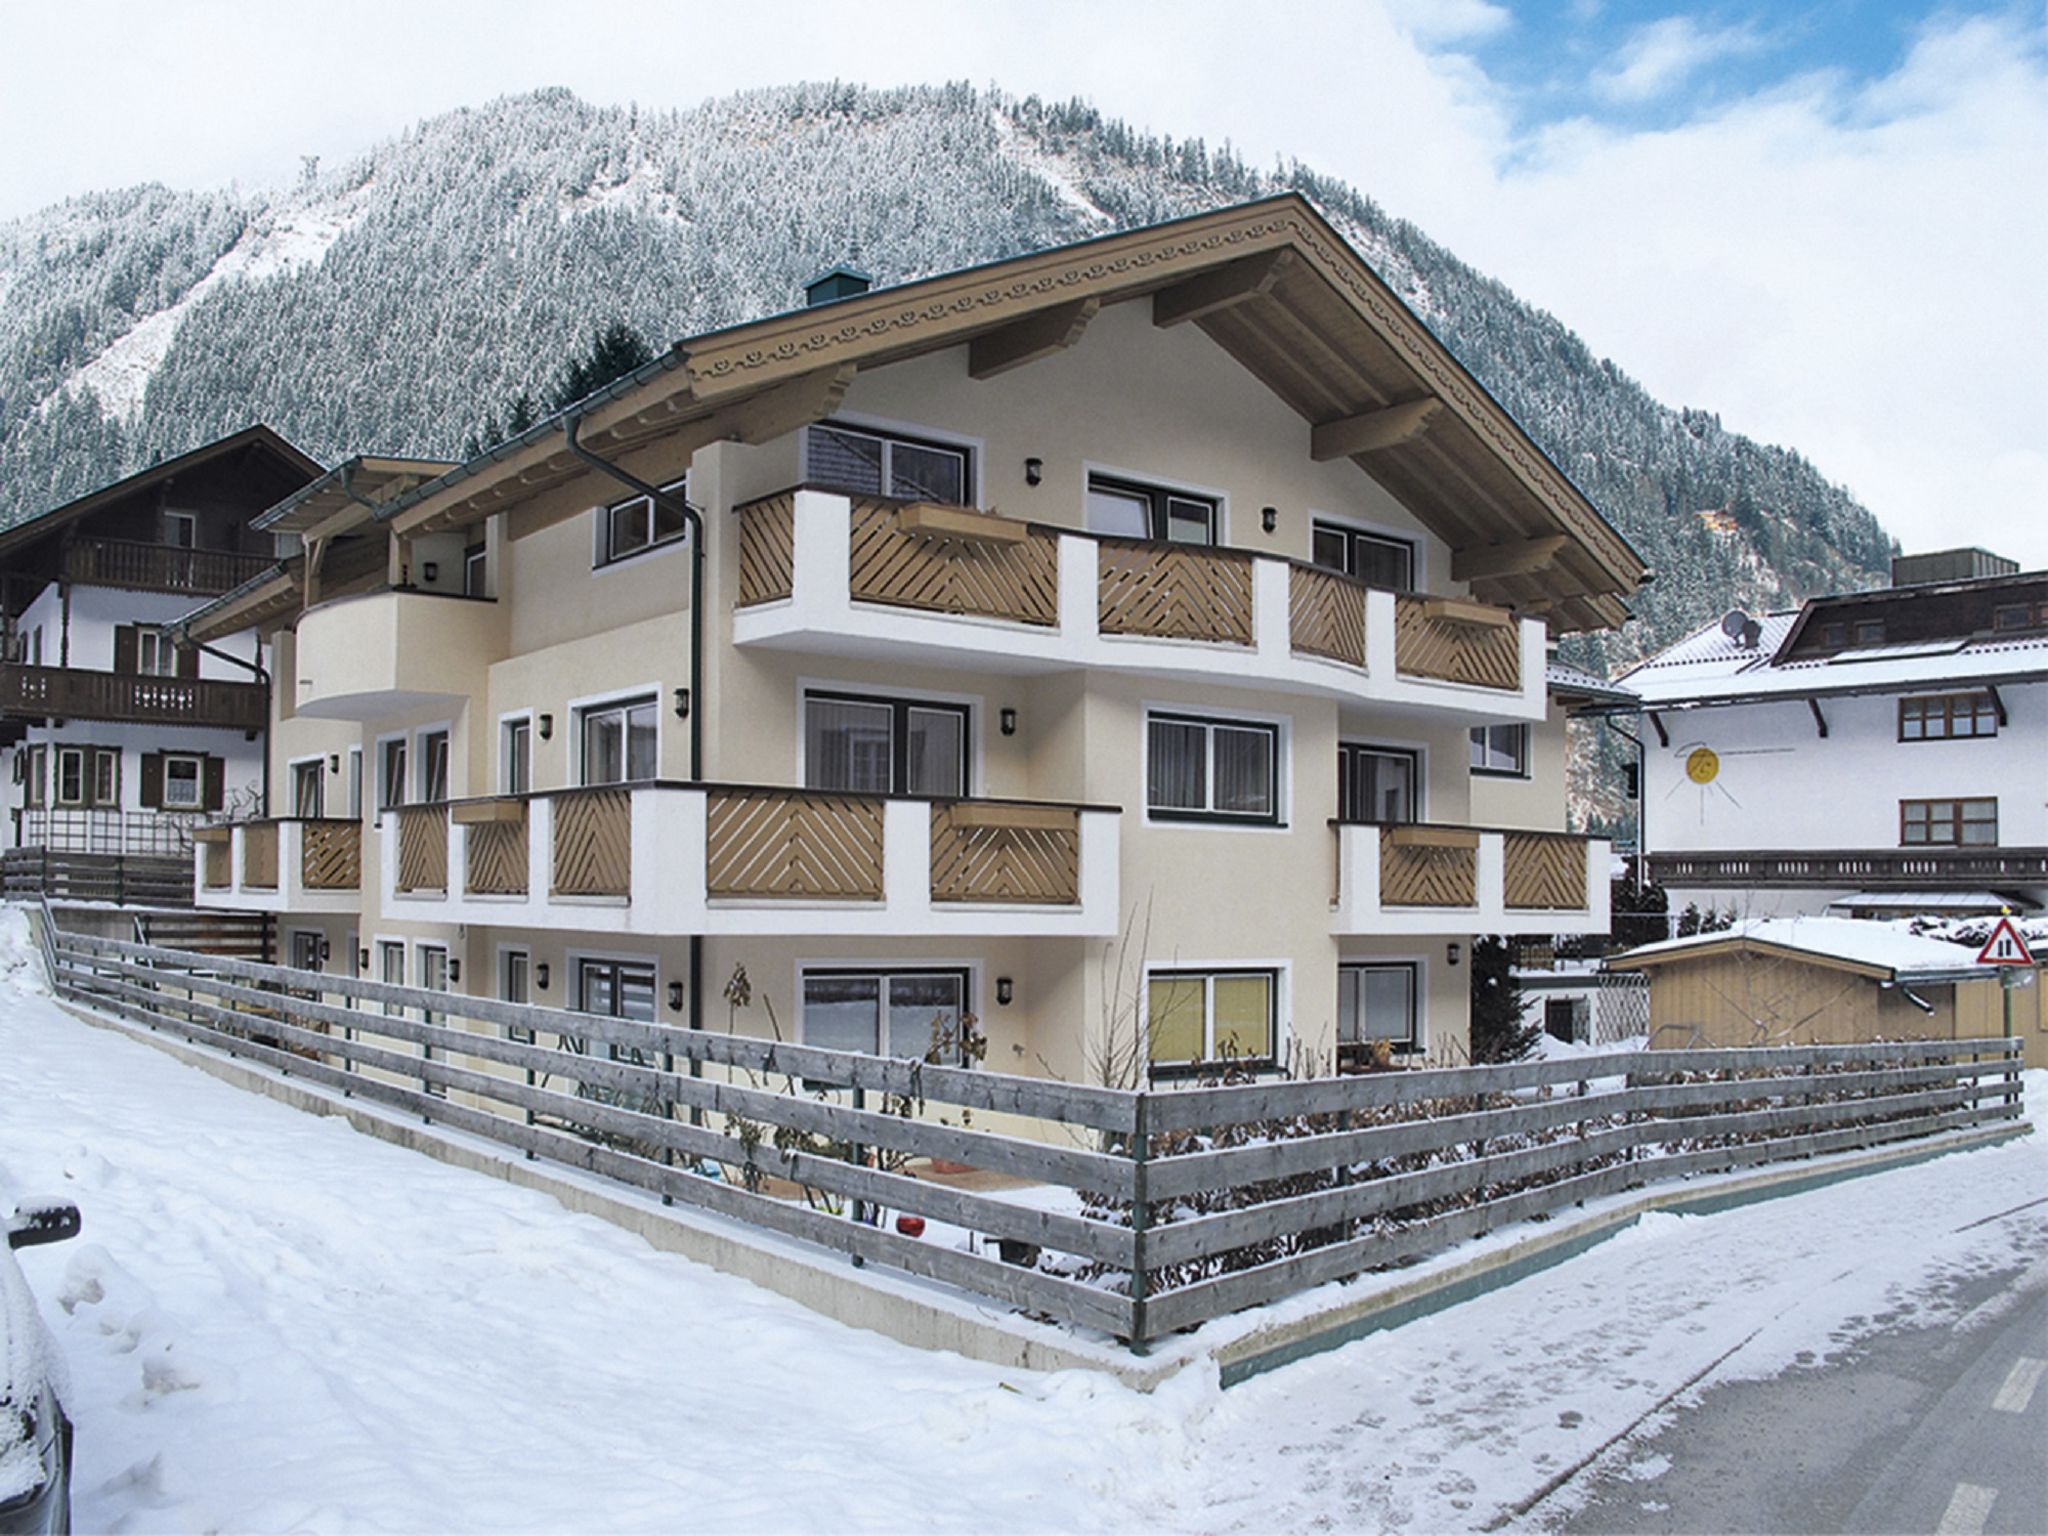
(2005, 946)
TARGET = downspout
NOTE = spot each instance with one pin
(1642, 800)
(695, 522)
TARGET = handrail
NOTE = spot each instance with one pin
(715, 785)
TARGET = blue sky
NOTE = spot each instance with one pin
(1823, 222)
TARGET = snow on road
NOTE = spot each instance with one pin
(274, 1323)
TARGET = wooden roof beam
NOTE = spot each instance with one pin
(1519, 558)
(1247, 278)
(1028, 340)
(1386, 428)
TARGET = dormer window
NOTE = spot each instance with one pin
(1869, 631)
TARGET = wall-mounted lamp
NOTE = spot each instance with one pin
(675, 997)
(362, 960)
(682, 703)
(540, 976)
(430, 570)
(1005, 990)
(546, 727)
(334, 762)
(1452, 952)
(454, 969)
(1269, 518)
(326, 950)
(1034, 471)
(1008, 719)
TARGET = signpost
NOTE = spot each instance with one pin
(2008, 951)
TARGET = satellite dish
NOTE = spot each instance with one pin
(1733, 622)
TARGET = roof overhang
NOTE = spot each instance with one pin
(1271, 282)
(347, 495)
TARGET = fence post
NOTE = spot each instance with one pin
(1141, 1217)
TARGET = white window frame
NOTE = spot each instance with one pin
(155, 655)
(598, 703)
(970, 997)
(319, 767)
(417, 765)
(1418, 750)
(975, 448)
(355, 783)
(1282, 1002)
(1414, 538)
(523, 953)
(506, 725)
(1283, 767)
(574, 961)
(198, 800)
(79, 758)
(975, 704)
(1484, 769)
(112, 799)
(1418, 1041)
(292, 940)
(383, 786)
(1090, 469)
(603, 557)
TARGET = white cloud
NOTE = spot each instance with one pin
(1436, 22)
(1662, 56)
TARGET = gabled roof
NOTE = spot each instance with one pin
(1574, 685)
(258, 437)
(357, 485)
(1270, 282)
(1878, 950)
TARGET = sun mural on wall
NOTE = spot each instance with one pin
(1705, 771)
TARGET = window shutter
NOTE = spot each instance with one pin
(216, 781)
(153, 780)
(188, 659)
(125, 655)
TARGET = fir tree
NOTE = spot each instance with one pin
(615, 350)
(1499, 1032)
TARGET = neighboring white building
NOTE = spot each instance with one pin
(1866, 754)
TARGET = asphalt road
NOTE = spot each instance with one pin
(1912, 1429)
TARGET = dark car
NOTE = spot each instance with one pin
(35, 1435)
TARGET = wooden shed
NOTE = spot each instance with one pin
(1827, 981)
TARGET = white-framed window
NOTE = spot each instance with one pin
(1199, 768)
(1377, 559)
(155, 655)
(1375, 783)
(309, 787)
(476, 572)
(433, 963)
(1135, 509)
(515, 755)
(391, 786)
(917, 1012)
(71, 780)
(618, 741)
(106, 777)
(1377, 1000)
(355, 783)
(870, 461)
(641, 523)
(36, 787)
(307, 949)
(1501, 749)
(875, 744)
(184, 781)
(1219, 1016)
(515, 977)
(433, 760)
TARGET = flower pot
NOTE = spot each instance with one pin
(910, 1226)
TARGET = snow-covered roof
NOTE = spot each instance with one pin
(1707, 666)
(1562, 678)
(1890, 947)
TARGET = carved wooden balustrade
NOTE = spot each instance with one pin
(1455, 640)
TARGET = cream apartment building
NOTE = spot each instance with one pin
(1098, 646)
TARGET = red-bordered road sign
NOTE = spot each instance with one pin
(2005, 946)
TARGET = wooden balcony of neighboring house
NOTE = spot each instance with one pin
(1938, 868)
(74, 693)
(140, 567)
(917, 582)
(661, 858)
(1428, 878)
(280, 864)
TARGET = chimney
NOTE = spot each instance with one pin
(1949, 565)
(839, 283)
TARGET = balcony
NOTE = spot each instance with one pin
(295, 864)
(72, 693)
(736, 859)
(1919, 869)
(912, 582)
(1429, 879)
(382, 653)
(141, 567)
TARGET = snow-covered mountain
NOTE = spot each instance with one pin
(387, 306)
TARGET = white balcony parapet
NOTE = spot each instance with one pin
(657, 877)
(317, 867)
(1434, 880)
(809, 604)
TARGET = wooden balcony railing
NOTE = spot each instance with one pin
(954, 560)
(217, 864)
(767, 548)
(793, 843)
(1876, 868)
(70, 693)
(1422, 866)
(422, 848)
(495, 844)
(160, 567)
(1326, 614)
(331, 855)
(259, 856)
(1455, 640)
(1175, 591)
(594, 842)
(1024, 854)
(1545, 871)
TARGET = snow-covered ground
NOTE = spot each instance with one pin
(274, 1323)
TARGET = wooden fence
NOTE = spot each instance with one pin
(129, 880)
(1187, 1204)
